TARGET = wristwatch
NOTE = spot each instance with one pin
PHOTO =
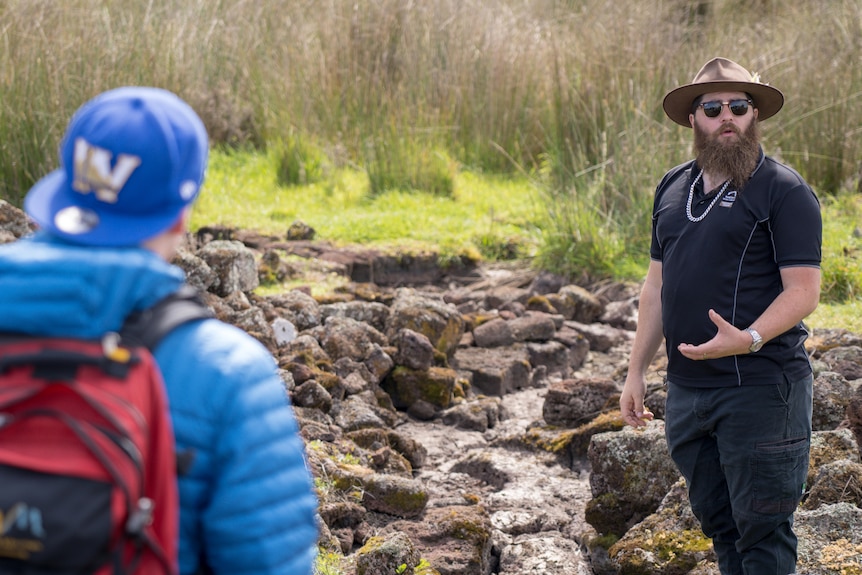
(756, 340)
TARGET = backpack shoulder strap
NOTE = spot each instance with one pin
(148, 327)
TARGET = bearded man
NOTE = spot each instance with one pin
(734, 269)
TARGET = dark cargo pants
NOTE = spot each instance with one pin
(744, 454)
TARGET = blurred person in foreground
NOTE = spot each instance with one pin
(110, 219)
(734, 269)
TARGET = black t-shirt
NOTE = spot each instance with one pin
(729, 261)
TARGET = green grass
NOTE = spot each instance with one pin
(837, 316)
(484, 218)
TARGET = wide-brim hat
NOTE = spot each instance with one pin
(722, 75)
(131, 160)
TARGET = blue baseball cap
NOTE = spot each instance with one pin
(130, 161)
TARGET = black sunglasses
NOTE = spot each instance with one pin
(713, 108)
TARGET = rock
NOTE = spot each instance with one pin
(534, 326)
(414, 350)
(374, 314)
(584, 306)
(542, 554)
(495, 371)
(480, 415)
(494, 333)
(312, 394)
(831, 396)
(631, 473)
(296, 307)
(621, 314)
(836, 482)
(407, 386)
(233, 264)
(455, 540)
(440, 322)
(828, 447)
(553, 356)
(387, 555)
(345, 337)
(830, 539)
(14, 223)
(601, 337)
(668, 541)
(854, 416)
(574, 402)
(845, 360)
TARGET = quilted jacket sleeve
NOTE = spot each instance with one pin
(247, 501)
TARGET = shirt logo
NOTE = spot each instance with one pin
(728, 199)
(93, 173)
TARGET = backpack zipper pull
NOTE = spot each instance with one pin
(112, 350)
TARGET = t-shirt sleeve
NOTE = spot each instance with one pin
(797, 228)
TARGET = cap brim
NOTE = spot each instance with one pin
(52, 204)
(677, 103)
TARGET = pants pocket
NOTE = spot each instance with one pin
(779, 469)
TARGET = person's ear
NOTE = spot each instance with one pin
(182, 224)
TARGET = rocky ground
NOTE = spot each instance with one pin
(463, 421)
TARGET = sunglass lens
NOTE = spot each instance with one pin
(711, 109)
(739, 107)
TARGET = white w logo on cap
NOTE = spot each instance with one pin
(92, 171)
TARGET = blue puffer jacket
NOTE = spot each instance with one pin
(247, 503)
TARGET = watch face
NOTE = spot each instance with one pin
(757, 341)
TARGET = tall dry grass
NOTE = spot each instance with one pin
(566, 91)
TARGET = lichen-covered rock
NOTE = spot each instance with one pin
(373, 313)
(234, 266)
(836, 482)
(393, 553)
(412, 450)
(455, 540)
(854, 416)
(830, 540)
(585, 307)
(846, 360)
(828, 447)
(199, 275)
(407, 386)
(439, 321)
(345, 337)
(414, 350)
(574, 402)
(297, 307)
(494, 333)
(534, 326)
(479, 415)
(553, 356)
(631, 473)
(669, 541)
(831, 394)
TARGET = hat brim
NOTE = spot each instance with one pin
(677, 103)
(51, 197)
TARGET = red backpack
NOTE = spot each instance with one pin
(87, 458)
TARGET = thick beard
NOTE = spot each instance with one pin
(735, 161)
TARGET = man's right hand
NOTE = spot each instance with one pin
(632, 407)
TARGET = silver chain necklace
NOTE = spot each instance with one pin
(690, 217)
